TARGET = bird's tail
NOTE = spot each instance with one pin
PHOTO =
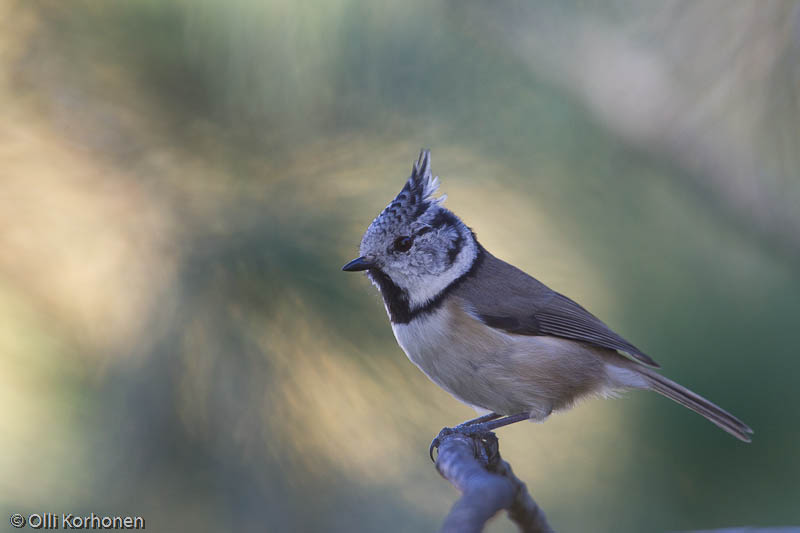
(715, 414)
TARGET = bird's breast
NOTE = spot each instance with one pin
(457, 352)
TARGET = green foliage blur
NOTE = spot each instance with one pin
(182, 181)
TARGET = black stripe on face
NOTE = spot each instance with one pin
(455, 248)
(444, 218)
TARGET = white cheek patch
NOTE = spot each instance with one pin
(424, 288)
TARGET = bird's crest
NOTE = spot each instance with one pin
(413, 208)
(416, 196)
(422, 185)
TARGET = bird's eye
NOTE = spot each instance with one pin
(403, 244)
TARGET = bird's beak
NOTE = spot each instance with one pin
(362, 263)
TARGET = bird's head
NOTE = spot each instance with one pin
(415, 245)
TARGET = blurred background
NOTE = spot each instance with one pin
(182, 181)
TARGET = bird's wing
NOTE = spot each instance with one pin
(506, 298)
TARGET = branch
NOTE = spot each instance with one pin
(472, 463)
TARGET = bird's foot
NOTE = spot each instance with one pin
(483, 430)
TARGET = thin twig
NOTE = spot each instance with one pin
(472, 463)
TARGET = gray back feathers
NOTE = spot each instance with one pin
(504, 297)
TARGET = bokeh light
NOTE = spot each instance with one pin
(182, 181)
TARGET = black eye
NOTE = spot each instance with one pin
(403, 244)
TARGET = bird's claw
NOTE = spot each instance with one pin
(438, 440)
(471, 430)
(434, 445)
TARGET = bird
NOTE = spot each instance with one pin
(492, 336)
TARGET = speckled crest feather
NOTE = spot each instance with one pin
(416, 195)
(422, 184)
(413, 204)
